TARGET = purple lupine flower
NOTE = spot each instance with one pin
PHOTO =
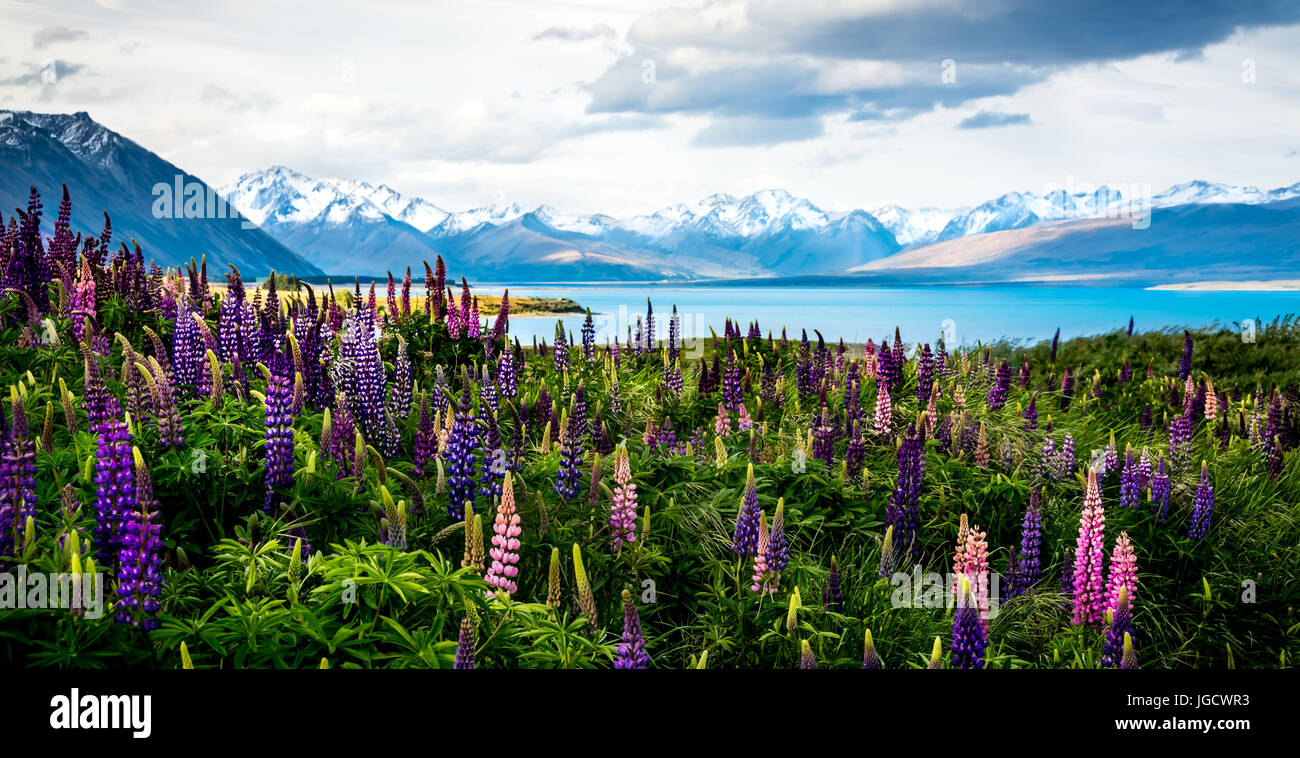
(1180, 442)
(561, 350)
(651, 337)
(744, 540)
(1126, 370)
(631, 651)
(460, 454)
(139, 558)
(278, 421)
(1067, 389)
(426, 438)
(1204, 507)
(17, 481)
(1031, 413)
(806, 658)
(1121, 626)
(870, 658)
(777, 553)
(1129, 484)
(343, 437)
(856, 452)
(1160, 490)
(588, 337)
(832, 595)
(1027, 568)
(998, 392)
(674, 339)
(464, 640)
(925, 375)
(731, 390)
(968, 643)
(1056, 341)
(902, 513)
(1185, 365)
(187, 342)
(570, 470)
(115, 486)
(1089, 588)
(824, 437)
(1065, 458)
(401, 392)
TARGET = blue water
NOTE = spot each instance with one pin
(964, 315)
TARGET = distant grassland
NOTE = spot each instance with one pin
(488, 305)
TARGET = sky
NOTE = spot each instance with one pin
(630, 106)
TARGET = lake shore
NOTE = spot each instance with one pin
(1273, 285)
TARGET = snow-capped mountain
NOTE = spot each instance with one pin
(919, 226)
(108, 173)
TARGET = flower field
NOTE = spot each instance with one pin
(335, 477)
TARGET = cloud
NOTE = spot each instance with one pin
(890, 60)
(130, 47)
(50, 35)
(44, 74)
(576, 34)
(990, 120)
(234, 102)
(1292, 154)
(744, 131)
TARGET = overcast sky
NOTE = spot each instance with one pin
(625, 107)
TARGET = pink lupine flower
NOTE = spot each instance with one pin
(884, 410)
(622, 514)
(761, 571)
(505, 541)
(743, 420)
(722, 424)
(1123, 572)
(1089, 594)
(972, 562)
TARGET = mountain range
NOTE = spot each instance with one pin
(106, 172)
(343, 227)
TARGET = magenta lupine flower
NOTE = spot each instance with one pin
(968, 641)
(1089, 584)
(622, 515)
(464, 640)
(83, 301)
(1123, 572)
(453, 316)
(139, 559)
(631, 651)
(743, 420)
(744, 540)
(1031, 413)
(1126, 371)
(1204, 507)
(505, 542)
(278, 421)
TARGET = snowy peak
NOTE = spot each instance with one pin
(282, 195)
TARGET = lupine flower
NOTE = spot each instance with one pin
(570, 470)
(998, 392)
(586, 600)
(1089, 587)
(1056, 341)
(622, 516)
(759, 580)
(870, 658)
(17, 479)
(744, 540)
(631, 651)
(1204, 507)
(1160, 490)
(426, 438)
(806, 658)
(1129, 659)
(465, 645)
(560, 352)
(722, 422)
(278, 416)
(832, 596)
(460, 454)
(902, 512)
(968, 643)
(884, 411)
(1123, 572)
(1027, 568)
(115, 487)
(731, 390)
(139, 558)
(1121, 626)
(1128, 482)
(887, 553)
(1185, 365)
(778, 549)
(505, 542)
